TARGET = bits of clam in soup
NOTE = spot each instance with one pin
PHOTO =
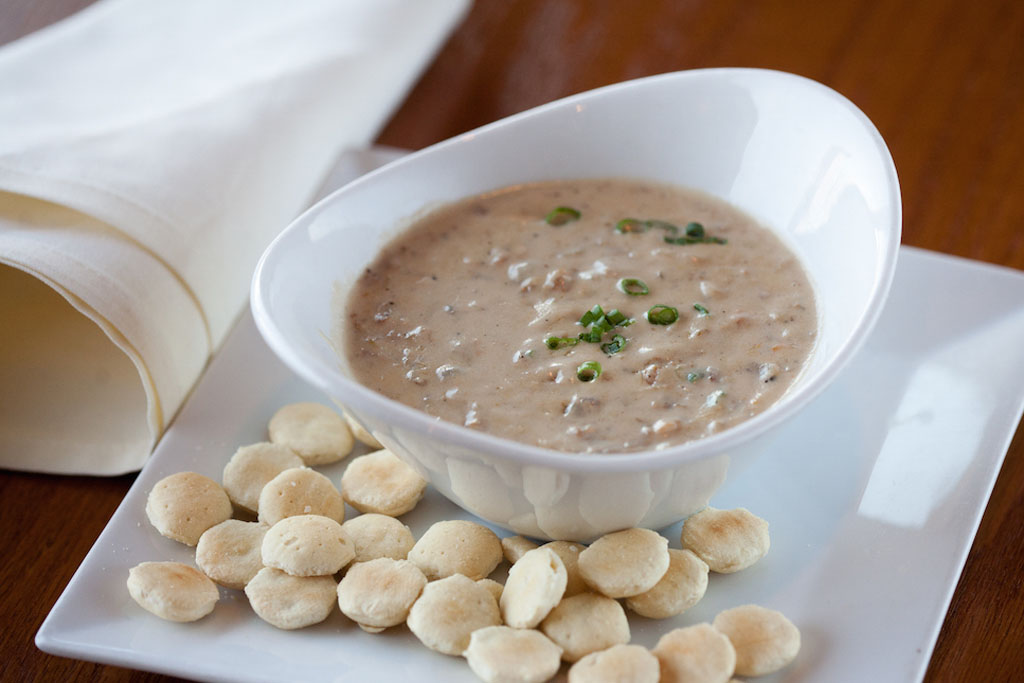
(584, 316)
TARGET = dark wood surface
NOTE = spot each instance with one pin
(942, 80)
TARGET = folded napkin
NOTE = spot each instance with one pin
(148, 153)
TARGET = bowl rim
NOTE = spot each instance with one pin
(350, 392)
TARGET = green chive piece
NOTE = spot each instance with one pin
(589, 371)
(627, 225)
(615, 317)
(617, 343)
(598, 322)
(558, 342)
(694, 233)
(696, 240)
(662, 315)
(693, 376)
(593, 314)
(633, 287)
(700, 309)
(561, 215)
(663, 225)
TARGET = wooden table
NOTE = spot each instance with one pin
(942, 80)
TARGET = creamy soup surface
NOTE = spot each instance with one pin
(475, 314)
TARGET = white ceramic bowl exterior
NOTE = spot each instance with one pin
(795, 155)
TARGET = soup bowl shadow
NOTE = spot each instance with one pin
(795, 155)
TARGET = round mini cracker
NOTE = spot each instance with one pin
(184, 505)
(501, 654)
(625, 563)
(360, 432)
(494, 587)
(765, 640)
(682, 587)
(514, 547)
(379, 593)
(569, 552)
(316, 433)
(449, 610)
(374, 536)
(633, 663)
(381, 482)
(586, 623)
(172, 590)
(251, 467)
(695, 653)
(727, 540)
(229, 553)
(290, 602)
(300, 491)
(307, 545)
(457, 547)
(536, 583)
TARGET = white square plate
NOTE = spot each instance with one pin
(874, 497)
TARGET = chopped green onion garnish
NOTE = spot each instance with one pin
(630, 225)
(589, 371)
(693, 376)
(662, 315)
(633, 287)
(662, 225)
(593, 314)
(695, 240)
(617, 343)
(558, 342)
(561, 215)
(597, 323)
(616, 317)
(694, 234)
(700, 309)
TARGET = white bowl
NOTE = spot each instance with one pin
(792, 153)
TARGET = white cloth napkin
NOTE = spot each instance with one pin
(148, 153)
